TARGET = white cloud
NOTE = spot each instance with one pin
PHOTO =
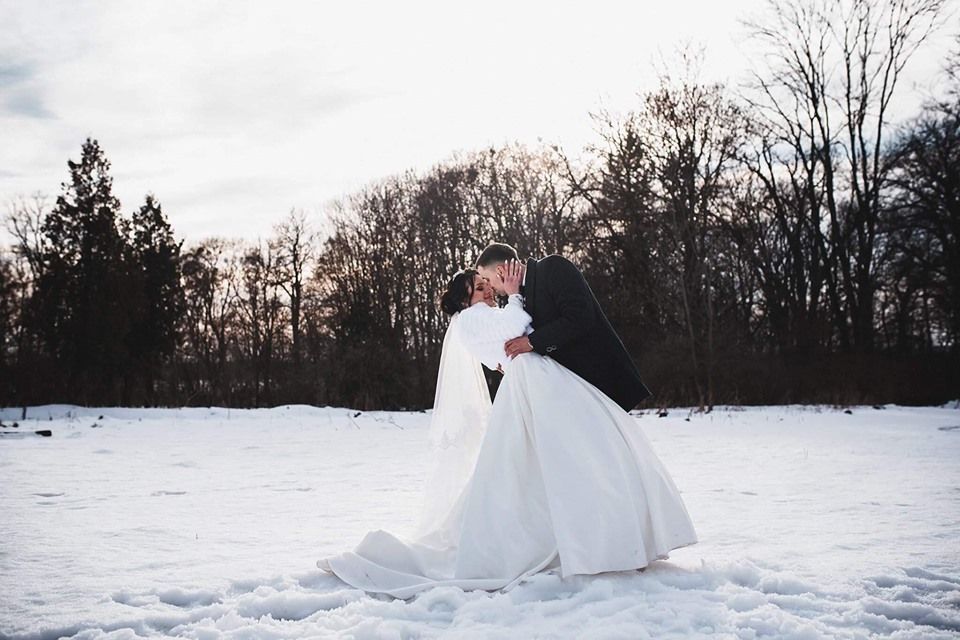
(233, 112)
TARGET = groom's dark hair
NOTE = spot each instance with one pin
(495, 253)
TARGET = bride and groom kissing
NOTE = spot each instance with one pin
(555, 474)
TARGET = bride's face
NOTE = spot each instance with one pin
(482, 292)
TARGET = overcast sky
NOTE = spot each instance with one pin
(234, 112)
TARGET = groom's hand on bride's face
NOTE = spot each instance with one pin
(511, 276)
(517, 346)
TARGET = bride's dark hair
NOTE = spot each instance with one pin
(459, 291)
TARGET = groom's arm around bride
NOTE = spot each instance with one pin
(569, 324)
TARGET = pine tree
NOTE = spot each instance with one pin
(155, 256)
(85, 283)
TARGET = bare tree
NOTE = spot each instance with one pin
(831, 71)
(659, 194)
(210, 290)
(23, 221)
(923, 222)
(259, 319)
(294, 244)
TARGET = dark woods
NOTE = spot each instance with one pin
(785, 242)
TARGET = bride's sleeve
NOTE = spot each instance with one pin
(513, 319)
(486, 329)
(509, 321)
(473, 332)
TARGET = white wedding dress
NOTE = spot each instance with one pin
(553, 475)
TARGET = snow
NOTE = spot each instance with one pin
(206, 523)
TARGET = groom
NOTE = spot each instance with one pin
(568, 323)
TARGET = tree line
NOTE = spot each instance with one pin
(781, 241)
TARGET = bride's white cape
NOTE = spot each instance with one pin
(553, 475)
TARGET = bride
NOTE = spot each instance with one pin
(552, 475)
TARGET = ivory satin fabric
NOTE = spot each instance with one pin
(564, 479)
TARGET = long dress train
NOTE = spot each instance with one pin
(564, 479)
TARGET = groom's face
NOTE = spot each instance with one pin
(494, 275)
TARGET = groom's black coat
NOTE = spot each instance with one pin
(570, 327)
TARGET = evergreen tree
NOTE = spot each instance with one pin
(85, 284)
(155, 260)
(8, 288)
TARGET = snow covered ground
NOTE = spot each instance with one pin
(206, 523)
